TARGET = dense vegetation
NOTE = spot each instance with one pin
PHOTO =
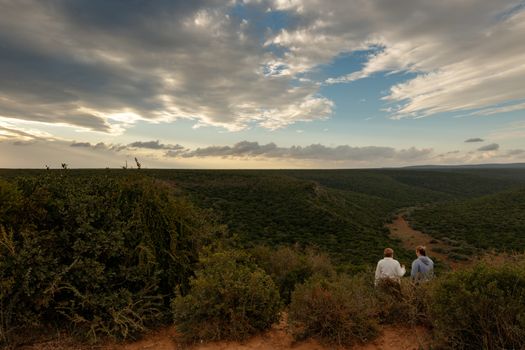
(97, 255)
(111, 253)
(282, 210)
(230, 298)
(482, 307)
(488, 222)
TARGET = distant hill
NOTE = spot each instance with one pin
(471, 166)
(493, 221)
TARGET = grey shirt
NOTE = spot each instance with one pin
(422, 269)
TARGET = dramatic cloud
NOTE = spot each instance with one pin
(154, 145)
(491, 147)
(247, 149)
(465, 55)
(144, 145)
(10, 131)
(476, 139)
(242, 154)
(104, 66)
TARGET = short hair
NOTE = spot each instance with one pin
(388, 252)
(421, 250)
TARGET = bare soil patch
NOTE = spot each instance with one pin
(391, 338)
(410, 239)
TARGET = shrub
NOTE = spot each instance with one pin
(403, 303)
(340, 310)
(289, 266)
(481, 308)
(230, 298)
(96, 255)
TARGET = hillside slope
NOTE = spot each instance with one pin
(282, 210)
(493, 221)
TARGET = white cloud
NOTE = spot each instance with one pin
(466, 55)
(76, 64)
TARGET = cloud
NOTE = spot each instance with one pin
(137, 145)
(103, 66)
(491, 147)
(515, 152)
(511, 107)
(241, 154)
(246, 149)
(154, 145)
(475, 139)
(21, 134)
(462, 55)
(80, 144)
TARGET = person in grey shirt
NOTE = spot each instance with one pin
(422, 267)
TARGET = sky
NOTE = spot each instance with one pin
(261, 83)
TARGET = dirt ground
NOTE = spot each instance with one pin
(411, 238)
(392, 338)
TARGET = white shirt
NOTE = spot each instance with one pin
(389, 268)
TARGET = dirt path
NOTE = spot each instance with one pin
(392, 338)
(411, 238)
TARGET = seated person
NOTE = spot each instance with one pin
(388, 267)
(422, 267)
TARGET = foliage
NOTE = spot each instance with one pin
(481, 308)
(97, 255)
(341, 310)
(288, 266)
(403, 302)
(487, 222)
(273, 209)
(460, 183)
(230, 298)
(101, 252)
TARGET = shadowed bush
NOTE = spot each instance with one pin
(289, 266)
(481, 308)
(230, 298)
(340, 311)
(403, 303)
(96, 255)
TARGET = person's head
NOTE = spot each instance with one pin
(388, 252)
(421, 251)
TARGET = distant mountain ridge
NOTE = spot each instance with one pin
(470, 166)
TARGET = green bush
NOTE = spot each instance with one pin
(230, 298)
(341, 310)
(99, 256)
(289, 266)
(481, 308)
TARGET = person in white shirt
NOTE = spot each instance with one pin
(389, 268)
